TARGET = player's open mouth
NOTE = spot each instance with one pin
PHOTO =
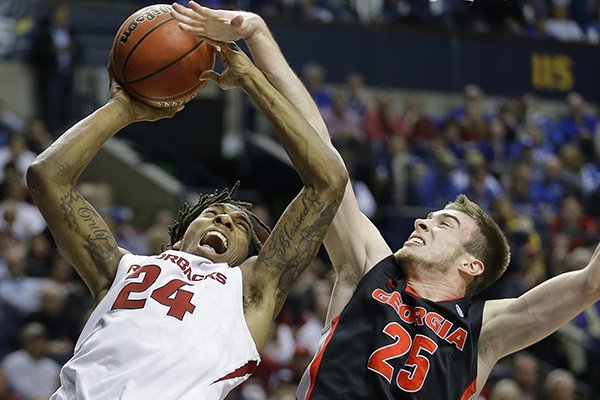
(416, 240)
(215, 240)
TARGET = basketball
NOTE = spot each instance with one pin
(156, 62)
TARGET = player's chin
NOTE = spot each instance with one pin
(405, 253)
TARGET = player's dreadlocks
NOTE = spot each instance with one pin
(189, 213)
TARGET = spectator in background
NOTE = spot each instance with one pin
(366, 200)
(313, 76)
(560, 26)
(54, 57)
(525, 372)
(531, 134)
(482, 187)
(506, 389)
(9, 122)
(32, 374)
(583, 177)
(548, 192)
(78, 300)
(420, 128)
(534, 12)
(570, 229)
(497, 148)
(62, 326)
(157, 235)
(579, 125)
(439, 182)
(560, 385)
(580, 337)
(40, 252)
(357, 97)
(37, 136)
(128, 235)
(519, 186)
(402, 166)
(18, 218)
(368, 12)
(316, 10)
(470, 117)
(16, 151)
(383, 121)
(527, 267)
(19, 291)
(533, 113)
(343, 123)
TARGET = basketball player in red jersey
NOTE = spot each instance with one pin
(188, 323)
(402, 325)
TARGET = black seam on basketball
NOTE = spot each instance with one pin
(129, 54)
(139, 42)
(175, 61)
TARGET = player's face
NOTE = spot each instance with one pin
(439, 239)
(222, 233)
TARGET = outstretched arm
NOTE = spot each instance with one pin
(78, 229)
(297, 236)
(353, 243)
(513, 324)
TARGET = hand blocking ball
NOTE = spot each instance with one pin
(156, 62)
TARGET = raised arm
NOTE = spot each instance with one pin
(353, 243)
(297, 236)
(78, 229)
(513, 324)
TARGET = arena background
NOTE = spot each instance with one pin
(495, 98)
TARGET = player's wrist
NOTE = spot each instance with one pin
(257, 27)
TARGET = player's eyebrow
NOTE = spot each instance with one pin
(443, 215)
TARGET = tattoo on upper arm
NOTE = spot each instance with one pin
(82, 218)
(298, 241)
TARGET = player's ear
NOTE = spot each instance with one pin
(176, 245)
(473, 267)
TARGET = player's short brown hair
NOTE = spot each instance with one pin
(487, 244)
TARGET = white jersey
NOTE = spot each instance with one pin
(171, 326)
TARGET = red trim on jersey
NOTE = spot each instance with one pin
(469, 391)
(393, 283)
(246, 369)
(316, 362)
(412, 291)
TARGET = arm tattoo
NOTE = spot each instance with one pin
(81, 217)
(296, 244)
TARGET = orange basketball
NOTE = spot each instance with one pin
(156, 62)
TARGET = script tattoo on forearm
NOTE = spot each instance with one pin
(297, 243)
(82, 218)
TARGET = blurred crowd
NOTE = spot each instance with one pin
(538, 174)
(536, 171)
(564, 20)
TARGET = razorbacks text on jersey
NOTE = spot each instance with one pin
(389, 343)
(171, 326)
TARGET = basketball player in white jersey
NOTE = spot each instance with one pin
(383, 339)
(188, 323)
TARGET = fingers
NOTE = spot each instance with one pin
(198, 8)
(210, 76)
(183, 15)
(221, 47)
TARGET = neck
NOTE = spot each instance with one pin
(435, 285)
